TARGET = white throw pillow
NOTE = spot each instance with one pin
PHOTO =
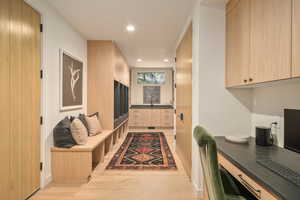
(79, 132)
(94, 125)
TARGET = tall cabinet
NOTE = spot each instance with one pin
(20, 61)
(106, 64)
(259, 41)
(238, 42)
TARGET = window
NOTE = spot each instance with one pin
(151, 77)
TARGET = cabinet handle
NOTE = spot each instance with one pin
(245, 80)
(250, 79)
(254, 191)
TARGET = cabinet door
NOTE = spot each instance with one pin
(296, 39)
(142, 118)
(270, 40)
(237, 42)
(154, 117)
(132, 118)
(166, 118)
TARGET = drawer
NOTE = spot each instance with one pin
(257, 190)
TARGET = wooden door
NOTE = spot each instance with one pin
(184, 100)
(296, 39)
(31, 63)
(237, 42)
(270, 40)
(19, 99)
(4, 100)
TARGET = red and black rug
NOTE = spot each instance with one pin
(142, 151)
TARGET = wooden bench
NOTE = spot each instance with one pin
(75, 165)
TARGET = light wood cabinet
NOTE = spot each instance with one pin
(296, 39)
(105, 64)
(162, 118)
(270, 40)
(121, 68)
(166, 118)
(237, 42)
(258, 41)
(255, 188)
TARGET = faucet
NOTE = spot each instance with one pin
(151, 101)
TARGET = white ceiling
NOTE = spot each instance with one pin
(158, 23)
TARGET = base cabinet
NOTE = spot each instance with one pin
(161, 118)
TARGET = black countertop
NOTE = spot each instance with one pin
(244, 156)
(151, 107)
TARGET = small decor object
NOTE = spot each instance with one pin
(71, 82)
(238, 140)
(79, 132)
(94, 125)
(143, 151)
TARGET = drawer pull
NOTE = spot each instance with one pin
(254, 191)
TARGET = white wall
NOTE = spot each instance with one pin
(220, 111)
(57, 34)
(166, 93)
(269, 103)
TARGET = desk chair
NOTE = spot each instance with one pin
(219, 183)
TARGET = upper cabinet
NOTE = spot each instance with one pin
(296, 39)
(238, 42)
(121, 68)
(259, 39)
(270, 40)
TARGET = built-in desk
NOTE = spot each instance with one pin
(240, 161)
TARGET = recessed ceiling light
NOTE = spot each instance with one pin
(139, 60)
(166, 60)
(130, 28)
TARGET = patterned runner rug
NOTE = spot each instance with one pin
(142, 151)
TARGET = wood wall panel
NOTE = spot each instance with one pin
(184, 100)
(270, 40)
(4, 99)
(16, 85)
(296, 39)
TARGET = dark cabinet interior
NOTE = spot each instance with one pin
(121, 103)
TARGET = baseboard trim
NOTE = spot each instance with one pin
(197, 187)
(47, 181)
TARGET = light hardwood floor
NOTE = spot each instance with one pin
(127, 185)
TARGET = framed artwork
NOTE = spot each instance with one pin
(71, 82)
(151, 94)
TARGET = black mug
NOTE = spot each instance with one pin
(264, 136)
